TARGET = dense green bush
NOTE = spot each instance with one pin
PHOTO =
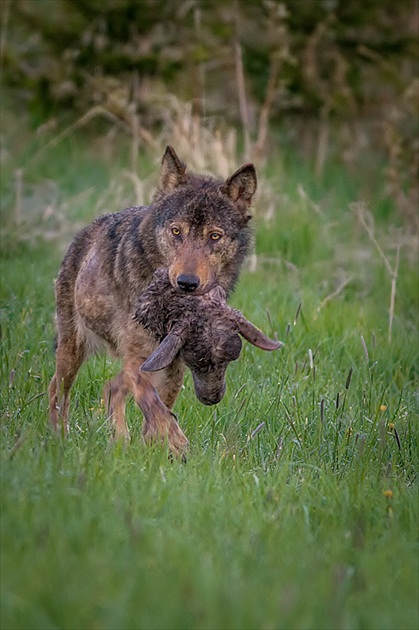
(336, 55)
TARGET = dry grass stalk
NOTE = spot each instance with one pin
(364, 346)
(334, 294)
(393, 291)
(138, 185)
(17, 445)
(135, 122)
(241, 93)
(98, 110)
(322, 142)
(17, 214)
(310, 358)
(279, 448)
(266, 107)
(207, 149)
(349, 378)
(298, 312)
(360, 210)
(117, 110)
(257, 430)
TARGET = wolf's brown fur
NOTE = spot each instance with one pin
(197, 229)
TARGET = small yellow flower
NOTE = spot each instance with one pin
(388, 494)
(391, 426)
(383, 407)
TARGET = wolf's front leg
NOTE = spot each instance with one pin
(159, 427)
(160, 424)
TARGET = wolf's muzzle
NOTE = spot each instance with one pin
(187, 283)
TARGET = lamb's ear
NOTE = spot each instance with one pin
(164, 354)
(172, 171)
(241, 186)
(256, 336)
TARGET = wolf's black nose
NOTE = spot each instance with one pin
(187, 283)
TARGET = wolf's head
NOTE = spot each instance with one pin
(201, 225)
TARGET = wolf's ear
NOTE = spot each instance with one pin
(172, 171)
(241, 186)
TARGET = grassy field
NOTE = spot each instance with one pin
(298, 507)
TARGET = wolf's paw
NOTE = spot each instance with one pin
(120, 438)
(59, 425)
(120, 434)
(178, 442)
(167, 431)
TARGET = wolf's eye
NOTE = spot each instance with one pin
(175, 231)
(215, 236)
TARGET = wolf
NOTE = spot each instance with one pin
(197, 229)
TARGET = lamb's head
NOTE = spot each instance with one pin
(211, 343)
(204, 330)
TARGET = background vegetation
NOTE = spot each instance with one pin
(340, 78)
(298, 506)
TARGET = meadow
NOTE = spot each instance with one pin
(298, 506)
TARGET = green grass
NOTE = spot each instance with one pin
(298, 506)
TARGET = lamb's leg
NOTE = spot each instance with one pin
(69, 357)
(160, 423)
(114, 396)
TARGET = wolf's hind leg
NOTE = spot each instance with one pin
(69, 357)
(114, 395)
